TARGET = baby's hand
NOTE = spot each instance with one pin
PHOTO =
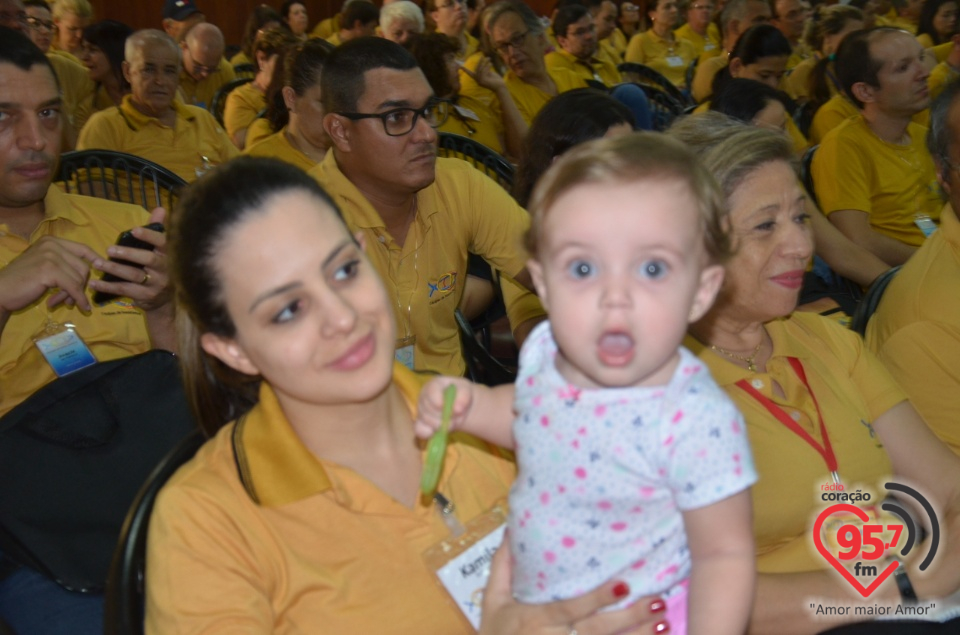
(430, 406)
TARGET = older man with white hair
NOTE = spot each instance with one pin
(150, 122)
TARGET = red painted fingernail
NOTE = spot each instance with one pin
(658, 606)
(621, 589)
(661, 627)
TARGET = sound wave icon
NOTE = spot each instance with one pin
(893, 508)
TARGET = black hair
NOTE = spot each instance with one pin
(360, 10)
(566, 16)
(288, 5)
(110, 36)
(300, 69)
(743, 99)
(209, 208)
(342, 82)
(43, 4)
(927, 14)
(569, 119)
(18, 49)
(259, 17)
(430, 51)
(757, 42)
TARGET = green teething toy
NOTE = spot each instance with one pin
(437, 446)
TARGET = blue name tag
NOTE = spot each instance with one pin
(65, 352)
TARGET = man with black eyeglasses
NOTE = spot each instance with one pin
(576, 35)
(417, 215)
(203, 70)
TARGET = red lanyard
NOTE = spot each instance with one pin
(825, 450)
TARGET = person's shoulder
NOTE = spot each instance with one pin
(108, 117)
(849, 131)
(211, 475)
(812, 328)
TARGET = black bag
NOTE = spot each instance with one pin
(74, 455)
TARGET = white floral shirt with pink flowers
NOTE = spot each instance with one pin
(605, 473)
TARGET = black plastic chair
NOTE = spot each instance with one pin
(482, 157)
(219, 103)
(663, 106)
(245, 70)
(482, 366)
(124, 601)
(645, 75)
(871, 300)
(118, 176)
(803, 117)
(806, 174)
(691, 71)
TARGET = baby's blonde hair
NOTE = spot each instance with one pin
(632, 158)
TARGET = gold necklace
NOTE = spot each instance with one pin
(750, 360)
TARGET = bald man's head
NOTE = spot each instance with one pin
(202, 50)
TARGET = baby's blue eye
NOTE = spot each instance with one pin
(581, 269)
(654, 269)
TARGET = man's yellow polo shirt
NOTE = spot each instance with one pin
(855, 169)
(180, 149)
(461, 211)
(114, 330)
(244, 103)
(916, 329)
(326, 28)
(617, 42)
(707, 69)
(670, 59)
(289, 543)
(852, 389)
(530, 99)
(94, 102)
(279, 147)
(708, 45)
(201, 93)
(597, 68)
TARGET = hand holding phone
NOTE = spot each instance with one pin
(126, 239)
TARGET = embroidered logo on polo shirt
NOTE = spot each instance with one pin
(443, 286)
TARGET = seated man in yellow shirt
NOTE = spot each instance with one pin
(576, 35)
(179, 16)
(873, 176)
(204, 70)
(737, 17)
(418, 215)
(916, 329)
(789, 16)
(150, 122)
(700, 29)
(53, 248)
(604, 14)
(358, 19)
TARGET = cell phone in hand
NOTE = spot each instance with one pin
(126, 239)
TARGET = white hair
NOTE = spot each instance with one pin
(142, 38)
(404, 9)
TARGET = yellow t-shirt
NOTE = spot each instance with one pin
(298, 544)
(941, 75)
(851, 388)
(797, 82)
(279, 147)
(617, 41)
(111, 331)
(855, 169)
(179, 149)
(707, 69)
(334, 39)
(800, 53)
(94, 102)
(669, 59)
(530, 99)
(703, 45)
(469, 86)
(472, 118)
(461, 211)
(830, 115)
(899, 22)
(597, 69)
(240, 58)
(941, 51)
(243, 105)
(916, 329)
(258, 131)
(201, 93)
(326, 28)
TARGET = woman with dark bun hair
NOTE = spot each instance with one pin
(101, 51)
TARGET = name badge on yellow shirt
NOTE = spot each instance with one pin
(462, 563)
(404, 350)
(467, 113)
(674, 61)
(709, 46)
(63, 349)
(925, 223)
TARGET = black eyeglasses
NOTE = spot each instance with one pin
(515, 42)
(401, 121)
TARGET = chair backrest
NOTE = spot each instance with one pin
(871, 300)
(482, 157)
(118, 176)
(806, 174)
(803, 117)
(663, 106)
(219, 103)
(691, 71)
(245, 70)
(482, 366)
(124, 601)
(641, 74)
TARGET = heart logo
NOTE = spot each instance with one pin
(818, 540)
